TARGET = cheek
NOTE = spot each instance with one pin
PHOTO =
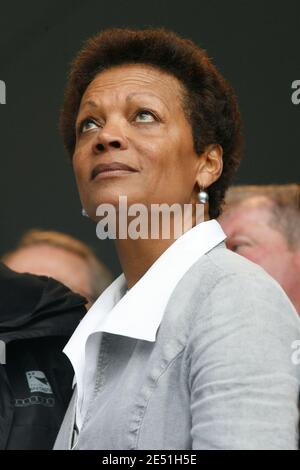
(268, 259)
(186, 161)
(152, 153)
(80, 167)
(156, 167)
(256, 253)
(80, 179)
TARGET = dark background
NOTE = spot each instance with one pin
(255, 44)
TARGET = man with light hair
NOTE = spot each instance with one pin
(63, 258)
(262, 223)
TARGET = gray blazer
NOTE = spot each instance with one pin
(218, 376)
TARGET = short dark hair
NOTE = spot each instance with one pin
(210, 103)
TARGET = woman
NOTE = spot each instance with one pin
(190, 347)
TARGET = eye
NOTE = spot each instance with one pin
(87, 125)
(145, 116)
(237, 245)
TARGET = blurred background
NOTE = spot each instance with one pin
(255, 44)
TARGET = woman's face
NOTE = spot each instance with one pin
(133, 139)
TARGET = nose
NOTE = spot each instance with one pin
(111, 136)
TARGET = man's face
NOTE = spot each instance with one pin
(247, 226)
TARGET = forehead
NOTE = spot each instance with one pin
(130, 80)
(42, 255)
(252, 212)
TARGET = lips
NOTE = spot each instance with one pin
(110, 168)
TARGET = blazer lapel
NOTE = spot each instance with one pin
(65, 436)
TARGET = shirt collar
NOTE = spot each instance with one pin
(138, 312)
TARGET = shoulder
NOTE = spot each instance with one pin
(19, 293)
(223, 286)
(221, 263)
(27, 300)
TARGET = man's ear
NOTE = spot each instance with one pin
(210, 165)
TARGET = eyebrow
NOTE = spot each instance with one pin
(152, 95)
(129, 97)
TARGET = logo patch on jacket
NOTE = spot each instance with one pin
(37, 382)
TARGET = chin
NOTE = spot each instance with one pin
(112, 200)
(112, 194)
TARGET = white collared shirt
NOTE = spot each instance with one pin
(137, 312)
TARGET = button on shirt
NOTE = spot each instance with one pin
(138, 312)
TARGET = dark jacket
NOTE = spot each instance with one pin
(37, 317)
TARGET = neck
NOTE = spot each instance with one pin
(294, 296)
(137, 256)
(293, 287)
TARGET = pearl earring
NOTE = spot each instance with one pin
(84, 212)
(203, 196)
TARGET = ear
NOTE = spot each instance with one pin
(210, 165)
